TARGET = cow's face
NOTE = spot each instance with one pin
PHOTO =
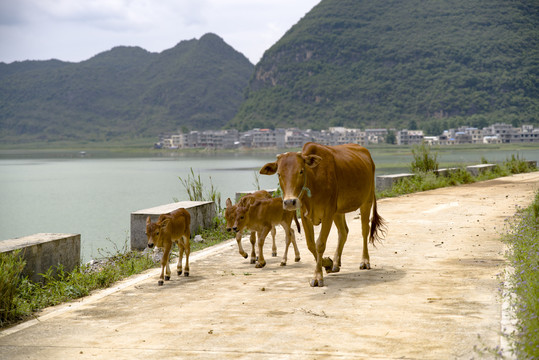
(240, 218)
(230, 215)
(152, 232)
(292, 170)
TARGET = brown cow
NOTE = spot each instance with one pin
(326, 182)
(169, 228)
(230, 216)
(261, 216)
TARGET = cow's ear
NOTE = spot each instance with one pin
(148, 220)
(228, 203)
(164, 223)
(269, 169)
(312, 160)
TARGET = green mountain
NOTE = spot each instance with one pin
(123, 93)
(403, 63)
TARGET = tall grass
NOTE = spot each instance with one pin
(195, 190)
(523, 242)
(424, 160)
(11, 267)
(425, 177)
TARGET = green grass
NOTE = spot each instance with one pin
(523, 241)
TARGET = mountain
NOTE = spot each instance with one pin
(123, 93)
(403, 63)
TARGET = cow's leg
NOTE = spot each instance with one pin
(342, 228)
(290, 238)
(187, 248)
(318, 279)
(287, 231)
(273, 246)
(308, 229)
(261, 262)
(252, 239)
(365, 211)
(240, 248)
(296, 249)
(180, 256)
(164, 264)
(166, 256)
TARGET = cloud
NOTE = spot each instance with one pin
(75, 30)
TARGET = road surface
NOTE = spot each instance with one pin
(432, 293)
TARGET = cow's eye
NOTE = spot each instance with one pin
(301, 171)
(157, 233)
(241, 218)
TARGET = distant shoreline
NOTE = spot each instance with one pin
(130, 149)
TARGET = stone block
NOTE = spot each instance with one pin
(202, 215)
(479, 169)
(384, 182)
(45, 250)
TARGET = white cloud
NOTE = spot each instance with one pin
(75, 30)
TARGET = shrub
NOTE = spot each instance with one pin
(11, 267)
(424, 161)
(523, 241)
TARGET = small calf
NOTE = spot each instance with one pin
(261, 216)
(230, 216)
(169, 228)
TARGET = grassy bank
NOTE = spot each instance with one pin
(21, 297)
(523, 242)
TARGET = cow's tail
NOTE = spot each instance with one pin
(297, 222)
(378, 225)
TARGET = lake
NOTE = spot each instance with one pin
(94, 196)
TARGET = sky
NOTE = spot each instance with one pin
(76, 30)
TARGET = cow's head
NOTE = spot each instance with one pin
(230, 214)
(154, 231)
(292, 170)
(241, 217)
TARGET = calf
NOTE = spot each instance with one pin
(169, 228)
(261, 216)
(230, 216)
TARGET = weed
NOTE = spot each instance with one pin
(424, 161)
(523, 241)
(11, 266)
(195, 190)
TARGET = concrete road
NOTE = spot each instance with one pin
(432, 294)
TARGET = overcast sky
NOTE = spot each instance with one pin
(76, 30)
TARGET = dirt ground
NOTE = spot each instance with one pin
(432, 293)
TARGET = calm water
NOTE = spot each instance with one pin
(95, 197)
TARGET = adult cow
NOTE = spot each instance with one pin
(326, 182)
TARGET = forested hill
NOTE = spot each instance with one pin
(123, 93)
(403, 63)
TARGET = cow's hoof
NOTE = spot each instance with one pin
(186, 273)
(259, 265)
(364, 266)
(297, 259)
(179, 272)
(167, 278)
(315, 283)
(335, 269)
(283, 263)
(160, 282)
(245, 256)
(274, 254)
(253, 261)
(329, 265)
